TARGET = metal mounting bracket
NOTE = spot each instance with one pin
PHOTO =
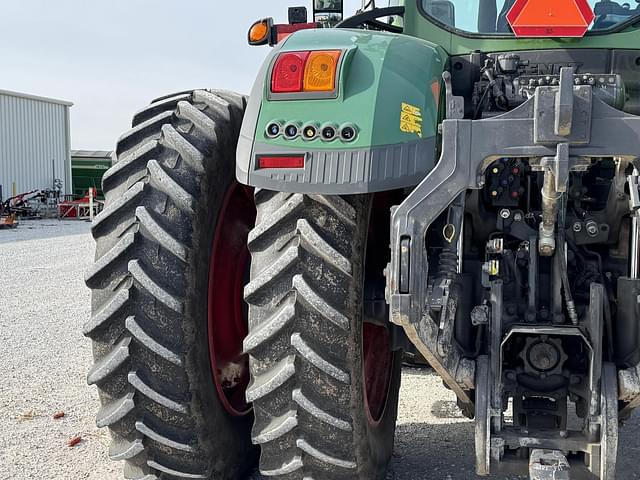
(469, 147)
(564, 104)
(634, 192)
(563, 113)
(455, 105)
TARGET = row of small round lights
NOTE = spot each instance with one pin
(327, 132)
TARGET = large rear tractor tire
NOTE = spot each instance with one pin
(324, 382)
(168, 318)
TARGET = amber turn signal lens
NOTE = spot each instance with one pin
(321, 71)
(259, 33)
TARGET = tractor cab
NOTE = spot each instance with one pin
(471, 19)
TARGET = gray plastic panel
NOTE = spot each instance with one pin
(347, 171)
(251, 114)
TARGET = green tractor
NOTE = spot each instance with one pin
(454, 179)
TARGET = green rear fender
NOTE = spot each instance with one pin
(389, 89)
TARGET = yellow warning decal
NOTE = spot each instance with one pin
(411, 119)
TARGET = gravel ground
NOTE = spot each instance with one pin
(43, 304)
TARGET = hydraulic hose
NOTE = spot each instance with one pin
(568, 297)
(550, 201)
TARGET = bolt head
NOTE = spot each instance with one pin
(505, 213)
(577, 227)
(592, 228)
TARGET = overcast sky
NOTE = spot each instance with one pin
(110, 57)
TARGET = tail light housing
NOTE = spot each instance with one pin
(310, 72)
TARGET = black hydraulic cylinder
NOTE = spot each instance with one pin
(627, 325)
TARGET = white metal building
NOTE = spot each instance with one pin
(35, 143)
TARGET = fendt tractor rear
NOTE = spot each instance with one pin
(245, 298)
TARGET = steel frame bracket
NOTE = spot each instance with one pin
(561, 165)
(468, 148)
(563, 113)
(564, 104)
(634, 192)
(599, 437)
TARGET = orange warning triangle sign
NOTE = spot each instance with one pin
(550, 18)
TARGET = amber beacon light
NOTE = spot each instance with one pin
(550, 18)
(260, 32)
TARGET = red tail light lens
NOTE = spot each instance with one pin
(281, 161)
(288, 72)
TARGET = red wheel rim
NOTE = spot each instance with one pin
(227, 322)
(377, 364)
(377, 355)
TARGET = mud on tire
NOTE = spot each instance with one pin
(149, 292)
(306, 341)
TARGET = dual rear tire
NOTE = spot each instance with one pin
(173, 339)
(325, 383)
(152, 297)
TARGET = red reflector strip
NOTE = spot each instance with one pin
(277, 161)
(550, 31)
